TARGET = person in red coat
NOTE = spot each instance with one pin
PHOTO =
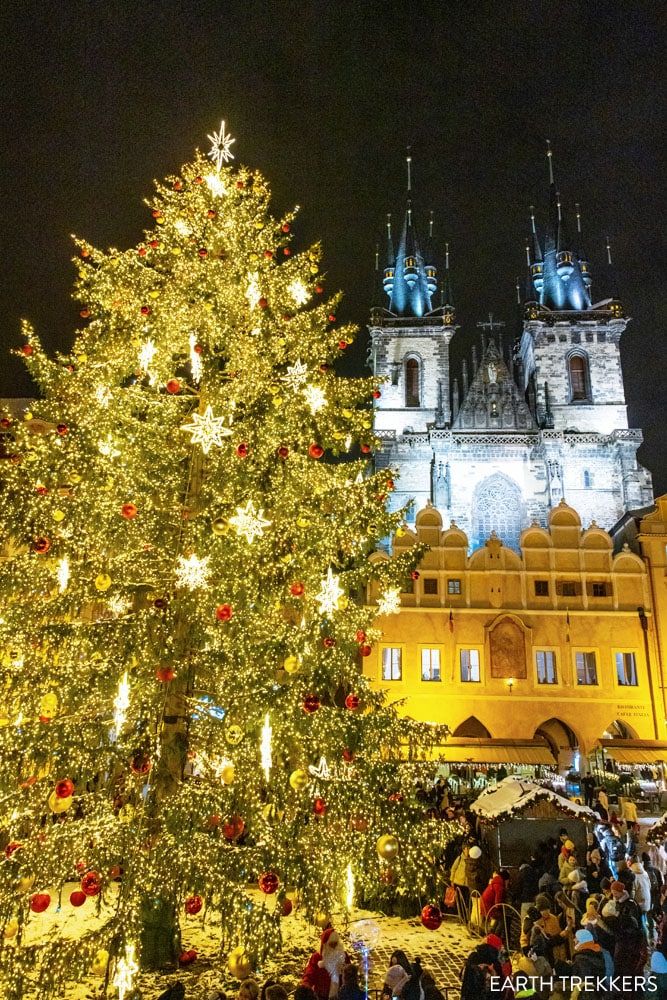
(494, 895)
(325, 967)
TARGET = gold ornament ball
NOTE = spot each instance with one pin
(57, 805)
(11, 928)
(234, 735)
(321, 918)
(227, 774)
(292, 664)
(102, 582)
(239, 964)
(298, 779)
(219, 526)
(26, 883)
(387, 846)
(100, 962)
(59, 515)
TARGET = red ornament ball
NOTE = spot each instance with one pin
(310, 704)
(224, 612)
(352, 702)
(178, 185)
(141, 764)
(41, 490)
(359, 823)
(85, 252)
(156, 213)
(64, 788)
(91, 884)
(142, 251)
(389, 485)
(27, 350)
(287, 252)
(77, 898)
(328, 642)
(316, 450)
(154, 244)
(242, 450)
(376, 393)
(84, 313)
(297, 589)
(396, 797)
(187, 957)
(173, 386)
(268, 254)
(414, 575)
(62, 429)
(348, 755)
(240, 185)
(12, 846)
(233, 828)
(319, 289)
(431, 917)
(129, 511)
(365, 449)
(331, 317)
(165, 674)
(342, 344)
(211, 214)
(5, 423)
(41, 544)
(360, 635)
(283, 452)
(145, 310)
(263, 303)
(319, 807)
(199, 179)
(286, 907)
(285, 227)
(40, 902)
(203, 252)
(193, 905)
(324, 367)
(198, 349)
(365, 650)
(268, 882)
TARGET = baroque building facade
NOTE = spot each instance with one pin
(523, 428)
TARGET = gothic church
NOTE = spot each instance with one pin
(531, 423)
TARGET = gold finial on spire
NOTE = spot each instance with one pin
(408, 160)
(549, 158)
(532, 218)
(577, 208)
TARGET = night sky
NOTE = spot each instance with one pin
(98, 99)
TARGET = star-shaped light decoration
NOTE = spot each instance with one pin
(330, 593)
(321, 771)
(390, 602)
(249, 521)
(299, 292)
(315, 398)
(220, 151)
(145, 357)
(207, 430)
(182, 228)
(215, 184)
(192, 572)
(296, 375)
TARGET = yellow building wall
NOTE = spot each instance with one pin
(591, 606)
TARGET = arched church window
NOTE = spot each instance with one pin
(412, 382)
(588, 480)
(497, 507)
(579, 384)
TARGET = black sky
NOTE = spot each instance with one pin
(99, 98)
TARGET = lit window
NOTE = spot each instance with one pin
(453, 586)
(541, 588)
(469, 659)
(588, 480)
(391, 664)
(430, 664)
(545, 662)
(412, 382)
(430, 585)
(587, 671)
(599, 589)
(578, 377)
(626, 669)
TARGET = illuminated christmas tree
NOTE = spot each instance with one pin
(185, 726)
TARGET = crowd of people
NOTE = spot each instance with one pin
(599, 911)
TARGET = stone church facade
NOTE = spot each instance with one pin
(523, 428)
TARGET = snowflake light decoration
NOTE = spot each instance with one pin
(252, 292)
(126, 970)
(192, 572)
(330, 594)
(390, 602)
(315, 398)
(321, 771)
(103, 395)
(207, 430)
(220, 151)
(299, 292)
(215, 184)
(145, 357)
(296, 375)
(249, 521)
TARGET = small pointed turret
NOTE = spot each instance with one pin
(447, 295)
(429, 260)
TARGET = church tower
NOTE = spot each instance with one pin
(524, 428)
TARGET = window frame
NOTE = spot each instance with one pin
(552, 652)
(626, 652)
(541, 582)
(430, 580)
(400, 649)
(431, 649)
(408, 362)
(586, 651)
(582, 394)
(470, 649)
(454, 581)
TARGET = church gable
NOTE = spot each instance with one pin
(493, 400)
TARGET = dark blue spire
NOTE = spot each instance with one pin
(409, 277)
(560, 274)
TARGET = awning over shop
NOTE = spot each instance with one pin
(635, 751)
(484, 751)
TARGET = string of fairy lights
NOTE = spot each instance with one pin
(187, 521)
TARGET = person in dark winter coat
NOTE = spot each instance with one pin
(351, 990)
(477, 972)
(527, 885)
(431, 991)
(588, 961)
(622, 916)
(475, 869)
